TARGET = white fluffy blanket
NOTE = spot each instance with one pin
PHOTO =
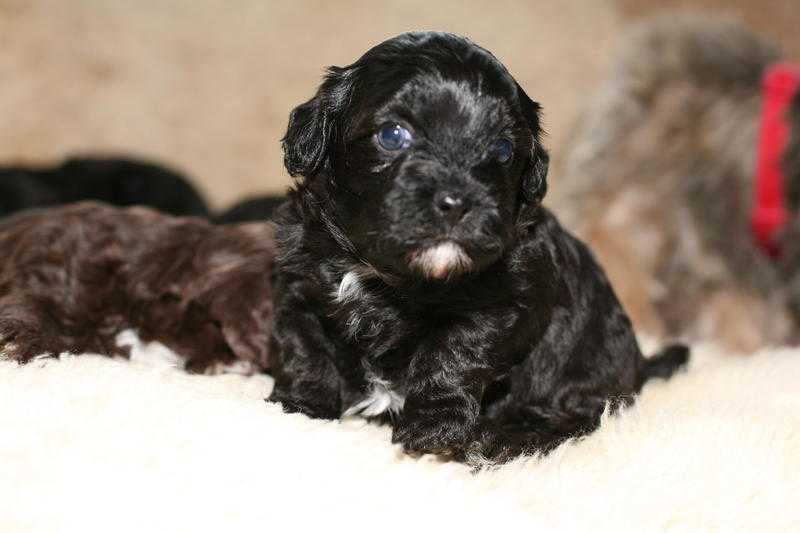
(93, 444)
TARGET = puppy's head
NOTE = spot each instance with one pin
(424, 150)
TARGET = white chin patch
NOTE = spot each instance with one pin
(441, 261)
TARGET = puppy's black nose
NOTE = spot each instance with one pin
(450, 205)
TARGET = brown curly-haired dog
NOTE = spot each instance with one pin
(659, 181)
(73, 277)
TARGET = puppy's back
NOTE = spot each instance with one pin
(658, 178)
(90, 270)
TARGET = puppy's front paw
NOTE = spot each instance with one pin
(294, 404)
(427, 433)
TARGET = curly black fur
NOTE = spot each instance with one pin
(117, 181)
(493, 332)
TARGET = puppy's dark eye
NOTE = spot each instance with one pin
(502, 150)
(394, 137)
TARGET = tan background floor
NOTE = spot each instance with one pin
(207, 85)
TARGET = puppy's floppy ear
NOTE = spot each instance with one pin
(312, 129)
(534, 179)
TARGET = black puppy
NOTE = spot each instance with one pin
(121, 182)
(418, 276)
(117, 181)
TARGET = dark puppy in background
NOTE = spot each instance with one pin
(73, 277)
(121, 182)
(419, 278)
(660, 181)
(113, 180)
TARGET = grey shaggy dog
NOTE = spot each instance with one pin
(659, 181)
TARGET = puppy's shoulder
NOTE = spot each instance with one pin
(542, 237)
(538, 227)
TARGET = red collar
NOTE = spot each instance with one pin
(778, 84)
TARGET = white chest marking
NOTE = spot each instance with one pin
(381, 398)
(350, 287)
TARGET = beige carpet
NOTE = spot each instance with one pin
(92, 444)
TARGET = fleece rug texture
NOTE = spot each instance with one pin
(89, 443)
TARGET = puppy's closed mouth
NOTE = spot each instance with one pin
(440, 261)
